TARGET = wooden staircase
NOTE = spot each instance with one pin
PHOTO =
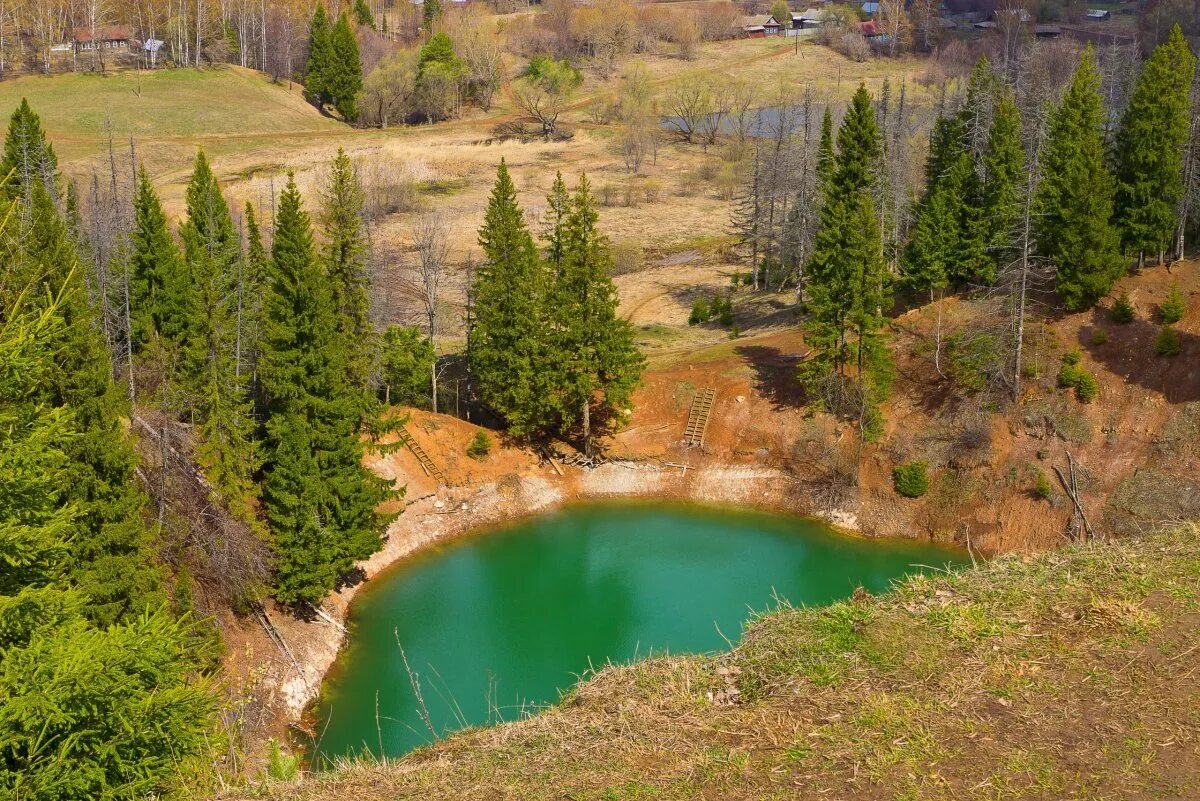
(427, 464)
(697, 424)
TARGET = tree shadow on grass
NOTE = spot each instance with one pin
(776, 375)
(1129, 353)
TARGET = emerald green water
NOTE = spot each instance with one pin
(497, 624)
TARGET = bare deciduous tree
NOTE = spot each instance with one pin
(431, 240)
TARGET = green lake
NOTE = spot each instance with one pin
(498, 624)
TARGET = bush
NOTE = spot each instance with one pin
(1099, 336)
(1167, 342)
(480, 446)
(652, 190)
(281, 767)
(1087, 389)
(701, 313)
(1173, 307)
(1122, 309)
(1073, 357)
(627, 257)
(911, 479)
(1042, 486)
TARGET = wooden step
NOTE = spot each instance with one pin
(426, 463)
(698, 415)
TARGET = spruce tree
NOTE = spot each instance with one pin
(320, 500)
(28, 156)
(256, 273)
(346, 264)
(344, 81)
(431, 12)
(1150, 146)
(363, 15)
(1003, 183)
(218, 391)
(1074, 202)
(92, 708)
(506, 340)
(825, 152)
(160, 296)
(601, 364)
(110, 553)
(558, 207)
(848, 283)
(320, 63)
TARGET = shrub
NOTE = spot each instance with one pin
(1073, 357)
(701, 313)
(627, 257)
(1087, 388)
(652, 190)
(1122, 309)
(480, 446)
(281, 767)
(609, 194)
(1099, 336)
(1173, 307)
(1042, 486)
(911, 479)
(1167, 342)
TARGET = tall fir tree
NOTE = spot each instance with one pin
(110, 560)
(320, 62)
(602, 365)
(160, 291)
(320, 500)
(363, 15)
(507, 337)
(1074, 202)
(256, 274)
(218, 391)
(558, 206)
(1003, 187)
(1150, 146)
(93, 707)
(848, 284)
(346, 264)
(28, 155)
(344, 81)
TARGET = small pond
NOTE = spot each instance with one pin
(497, 624)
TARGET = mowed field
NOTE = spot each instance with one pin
(255, 131)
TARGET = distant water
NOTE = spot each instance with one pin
(499, 623)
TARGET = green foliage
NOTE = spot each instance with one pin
(1042, 486)
(431, 12)
(848, 284)
(911, 479)
(407, 359)
(556, 75)
(345, 239)
(1073, 375)
(439, 50)
(974, 359)
(1167, 343)
(480, 447)
(344, 81)
(1073, 208)
(28, 156)
(320, 57)
(160, 289)
(281, 767)
(1173, 307)
(363, 15)
(100, 697)
(701, 312)
(1099, 337)
(1150, 146)
(546, 347)
(320, 499)
(1122, 309)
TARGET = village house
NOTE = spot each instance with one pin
(102, 37)
(760, 26)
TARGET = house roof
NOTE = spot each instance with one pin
(1098, 13)
(870, 7)
(868, 28)
(757, 21)
(104, 33)
(1046, 30)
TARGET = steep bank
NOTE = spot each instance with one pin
(1067, 675)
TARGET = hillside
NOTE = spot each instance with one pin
(1067, 675)
(221, 108)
